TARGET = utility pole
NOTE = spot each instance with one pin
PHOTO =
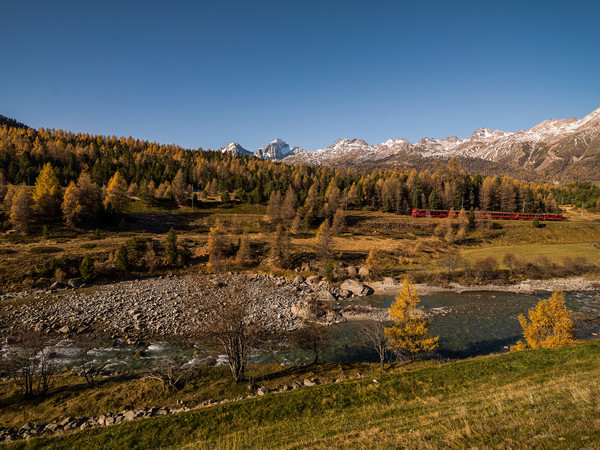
(193, 195)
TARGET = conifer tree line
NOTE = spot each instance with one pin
(80, 175)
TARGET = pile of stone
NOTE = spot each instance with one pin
(31, 430)
(156, 306)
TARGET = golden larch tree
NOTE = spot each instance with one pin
(20, 209)
(409, 332)
(47, 192)
(323, 241)
(71, 205)
(215, 248)
(549, 325)
(116, 193)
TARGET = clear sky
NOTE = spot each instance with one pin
(204, 73)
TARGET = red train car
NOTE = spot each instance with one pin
(441, 213)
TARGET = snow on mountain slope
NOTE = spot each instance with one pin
(276, 150)
(546, 143)
(235, 149)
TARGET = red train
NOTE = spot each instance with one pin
(435, 213)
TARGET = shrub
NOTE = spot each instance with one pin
(328, 271)
(485, 268)
(86, 269)
(171, 247)
(121, 258)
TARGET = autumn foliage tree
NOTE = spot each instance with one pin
(21, 209)
(215, 247)
(47, 193)
(116, 193)
(409, 333)
(323, 241)
(549, 325)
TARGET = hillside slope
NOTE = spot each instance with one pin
(541, 398)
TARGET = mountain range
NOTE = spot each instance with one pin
(554, 150)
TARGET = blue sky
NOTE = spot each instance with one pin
(202, 74)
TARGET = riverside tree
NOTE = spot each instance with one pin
(549, 325)
(229, 316)
(409, 333)
(374, 336)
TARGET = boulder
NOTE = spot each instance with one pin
(299, 279)
(325, 296)
(313, 279)
(75, 282)
(262, 390)
(351, 271)
(356, 287)
(364, 272)
(390, 281)
(344, 293)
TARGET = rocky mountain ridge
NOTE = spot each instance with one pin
(275, 150)
(555, 149)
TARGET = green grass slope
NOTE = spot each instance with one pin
(541, 399)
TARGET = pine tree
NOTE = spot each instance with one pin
(215, 248)
(3, 187)
(290, 203)
(432, 200)
(86, 269)
(549, 325)
(121, 258)
(279, 255)
(332, 198)
(471, 218)
(89, 198)
(409, 331)
(244, 254)
(150, 259)
(338, 224)
(21, 209)
(71, 205)
(179, 186)
(297, 223)
(312, 203)
(47, 192)
(171, 247)
(323, 241)
(116, 194)
(274, 206)
(373, 263)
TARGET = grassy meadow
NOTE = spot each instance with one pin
(404, 246)
(531, 399)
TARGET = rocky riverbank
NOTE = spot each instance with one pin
(572, 284)
(157, 306)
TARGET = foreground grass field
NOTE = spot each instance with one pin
(541, 399)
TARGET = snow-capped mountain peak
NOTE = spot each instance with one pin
(235, 149)
(552, 143)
